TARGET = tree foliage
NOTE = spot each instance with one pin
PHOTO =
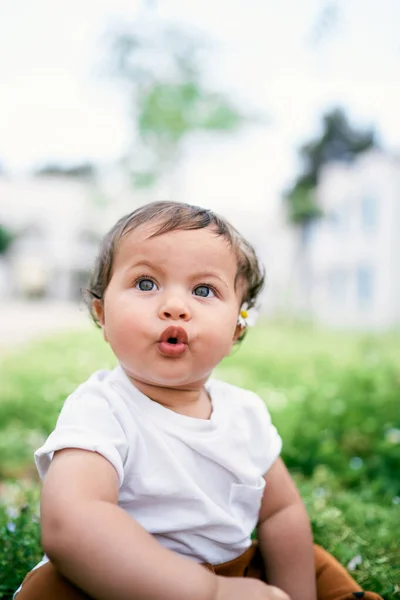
(6, 239)
(339, 141)
(161, 70)
(327, 21)
(74, 171)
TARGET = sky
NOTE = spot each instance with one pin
(55, 103)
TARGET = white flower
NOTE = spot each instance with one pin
(11, 527)
(354, 562)
(12, 512)
(393, 436)
(247, 316)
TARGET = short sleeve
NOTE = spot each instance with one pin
(87, 421)
(267, 443)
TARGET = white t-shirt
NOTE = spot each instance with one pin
(196, 485)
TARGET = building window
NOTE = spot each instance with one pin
(369, 216)
(338, 286)
(365, 285)
(340, 219)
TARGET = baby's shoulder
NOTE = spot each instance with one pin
(97, 384)
(97, 395)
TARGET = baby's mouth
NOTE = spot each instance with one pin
(174, 335)
(173, 341)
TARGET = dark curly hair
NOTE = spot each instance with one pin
(170, 216)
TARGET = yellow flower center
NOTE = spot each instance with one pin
(244, 314)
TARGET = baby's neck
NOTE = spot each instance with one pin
(189, 401)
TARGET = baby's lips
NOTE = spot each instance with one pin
(173, 331)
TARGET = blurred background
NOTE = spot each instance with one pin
(283, 116)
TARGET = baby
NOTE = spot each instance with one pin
(156, 475)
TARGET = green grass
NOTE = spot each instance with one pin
(20, 537)
(334, 397)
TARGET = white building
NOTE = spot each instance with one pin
(58, 223)
(354, 252)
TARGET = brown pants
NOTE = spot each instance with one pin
(333, 581)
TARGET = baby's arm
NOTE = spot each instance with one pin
(101, 548)
(105, 552)
(285, 536)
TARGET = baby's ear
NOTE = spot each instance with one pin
(238, 332)
(98, 310)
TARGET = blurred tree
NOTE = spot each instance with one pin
(339, 141)
(78, 171)
(161, 69)
(6, 239)
(327, 21)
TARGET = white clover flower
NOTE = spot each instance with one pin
(12, 512)
(354, 562)
(393, 436)
(247, 316)
(11, 527)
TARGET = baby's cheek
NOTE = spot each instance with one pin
(123, 337)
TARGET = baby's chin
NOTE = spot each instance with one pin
(169, 381)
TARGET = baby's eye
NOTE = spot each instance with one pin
(145, 285)
(204, 291)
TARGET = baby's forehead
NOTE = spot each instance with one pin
(201, 244)
(147, 233)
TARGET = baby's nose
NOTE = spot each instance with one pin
(175, 314)
(174, 307)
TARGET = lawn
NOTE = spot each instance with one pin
(333, 396)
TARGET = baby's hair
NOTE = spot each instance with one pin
(172, 216)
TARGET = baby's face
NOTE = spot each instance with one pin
(170, 310)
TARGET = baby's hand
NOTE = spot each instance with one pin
(240, 588)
